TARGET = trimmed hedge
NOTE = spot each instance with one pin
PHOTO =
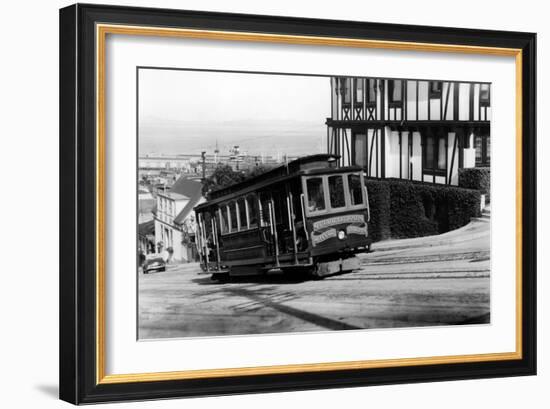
(476, 178)
(412, 210)
(404, 209)
(379, 204)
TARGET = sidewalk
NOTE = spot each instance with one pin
(477, 229)
(461, 253)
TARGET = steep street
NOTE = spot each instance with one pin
(437, 280)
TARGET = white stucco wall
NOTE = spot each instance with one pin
(464, 102)
(449, 101)
(179, 205)
(423, 100)
(469, 158)
(392, 154)
(392, 158)
(411, 100)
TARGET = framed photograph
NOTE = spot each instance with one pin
(257, 203)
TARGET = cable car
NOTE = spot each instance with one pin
(305, 216)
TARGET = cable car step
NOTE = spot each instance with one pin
(286, 269)
(337, 266)
(213, 271)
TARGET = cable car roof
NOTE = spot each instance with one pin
(312, 164)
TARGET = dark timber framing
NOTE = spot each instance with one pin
(438, 108)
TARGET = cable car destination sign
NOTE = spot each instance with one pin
(322, 229)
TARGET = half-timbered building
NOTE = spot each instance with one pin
(411, 129)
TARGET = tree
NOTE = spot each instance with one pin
(257, 170)
(223, 176)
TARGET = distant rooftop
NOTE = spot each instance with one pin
(173, 195)
(185, 188)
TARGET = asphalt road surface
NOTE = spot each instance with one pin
(437, 280)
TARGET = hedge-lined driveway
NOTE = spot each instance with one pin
(437, 280)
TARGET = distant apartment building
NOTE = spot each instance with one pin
(159, 170)
(175, 223)
(410, 129)
(146, 205)
(164, 162)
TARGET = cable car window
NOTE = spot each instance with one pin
(280, 206)
(336, 191)
(264, 209)
(222, 214)
(355, 190)
(295, 190)
(243, 223)
(252, 204)
(233, 216)
(207, 222)
(297, 206)
(315, 194)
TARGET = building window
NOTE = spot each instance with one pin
(485, 95)
(358, 86)
(345, 90)
(435, 89)
(434, 154)
(482, 145)
(371, 91)
(395, 92)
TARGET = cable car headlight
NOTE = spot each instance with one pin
(341, 235)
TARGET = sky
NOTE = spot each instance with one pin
(183, 111)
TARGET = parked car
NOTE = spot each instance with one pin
(153, 262)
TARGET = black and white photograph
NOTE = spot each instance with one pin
(279, 203)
